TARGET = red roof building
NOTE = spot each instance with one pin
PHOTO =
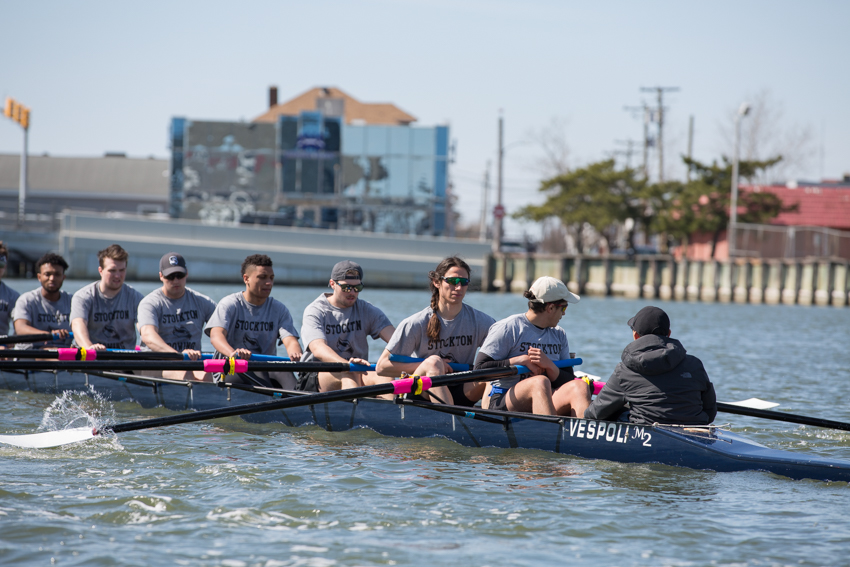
(818, 204)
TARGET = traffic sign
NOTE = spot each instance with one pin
(499, 211)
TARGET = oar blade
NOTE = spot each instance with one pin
(754, 403)
(48, 438)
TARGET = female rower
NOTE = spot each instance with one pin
(533, 339)
(446, 331)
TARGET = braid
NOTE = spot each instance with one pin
(434, 323)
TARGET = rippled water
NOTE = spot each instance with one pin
(231, 493)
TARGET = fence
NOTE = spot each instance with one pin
(771, 241)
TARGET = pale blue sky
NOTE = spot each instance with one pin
(108, 76)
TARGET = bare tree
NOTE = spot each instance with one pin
(765, 135)
(551, 140)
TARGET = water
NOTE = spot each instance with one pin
(236, 494)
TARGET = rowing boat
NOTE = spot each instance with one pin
(706, 448)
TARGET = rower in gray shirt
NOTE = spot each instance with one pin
(103, 314)
(179, 322)
(344, 330)
(111, 321)
(48, 308)
(8, 296)
(256, 328)
(44, 315)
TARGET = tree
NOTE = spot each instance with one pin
(598, 195)
(703, 205)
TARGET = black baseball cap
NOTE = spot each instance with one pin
(346, 270)
(650, 321)
(172, 263)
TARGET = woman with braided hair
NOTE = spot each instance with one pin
(447, 331)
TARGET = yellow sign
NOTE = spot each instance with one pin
(17, 112)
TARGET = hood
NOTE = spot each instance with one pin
(652, 355)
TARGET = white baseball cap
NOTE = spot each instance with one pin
(548, 289)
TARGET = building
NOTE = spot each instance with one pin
(322, 159)
(98, 184)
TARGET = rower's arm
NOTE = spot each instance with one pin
(385, 367)
(23, 327)
(81, 333)
(293, 348)
(387, 333)
(321, 351)
(218, 338)
(151, 338)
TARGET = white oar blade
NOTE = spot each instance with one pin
(48, 438)
(754, 403)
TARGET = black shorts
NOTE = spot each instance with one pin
(459, 397)
(307, 382)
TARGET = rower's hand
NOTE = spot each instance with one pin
(192, 354)
(242, 353)
(545, 363)
(525, 360)
(61, 333)
(96, 346)
(359, 361)
(295, 356)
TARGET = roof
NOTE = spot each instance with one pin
(383, 113)
(817, 206)
(106, 176)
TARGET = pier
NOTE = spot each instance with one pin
(809, 281)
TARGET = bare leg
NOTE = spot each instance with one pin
(572, 398)
(533, 394)
(286, 380)
(434, 366)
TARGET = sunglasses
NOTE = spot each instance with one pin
(457, 281)
(348, 288)
(563, 307)
(175, 276)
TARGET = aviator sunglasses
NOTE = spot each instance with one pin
(348, 288)
(175, 276)
(455, 281)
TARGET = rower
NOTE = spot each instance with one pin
(8, 296)
(172, 318)
(46, 309)
(447, 331)
(533, 339)
(658, 380)
(251, 322)
(103, 313)
(334, 328)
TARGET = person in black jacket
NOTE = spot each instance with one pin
(658, 380)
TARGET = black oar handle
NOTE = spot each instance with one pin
(225, 365)
(69, 354)
(34, 338)
(782, 416)
(415, 384)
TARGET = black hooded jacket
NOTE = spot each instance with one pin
(660, 382)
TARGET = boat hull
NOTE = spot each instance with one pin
(697, 448)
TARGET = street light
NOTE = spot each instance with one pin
(733, 213)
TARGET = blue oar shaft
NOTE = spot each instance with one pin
(464, 367)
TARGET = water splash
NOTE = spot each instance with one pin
(77, 409)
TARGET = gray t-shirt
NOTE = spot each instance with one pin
(110, 321)
(45, 315)
(344, 330)
(255, 327)
(515, 335)
(8, 297)
(459, 338)
(179, 322)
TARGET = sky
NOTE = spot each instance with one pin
(108, 76)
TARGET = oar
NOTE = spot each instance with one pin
(782, 416)
(92, 354)
(463, 367)
(415, 385)
(225, 365)
(34, 338)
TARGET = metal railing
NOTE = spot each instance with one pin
(771, 241)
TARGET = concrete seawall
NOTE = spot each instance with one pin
(811, 281)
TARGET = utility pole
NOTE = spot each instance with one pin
(628, 152)
(645, 112)
(482, 229)
(660, 110)
(499, 209)
(20, 114)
